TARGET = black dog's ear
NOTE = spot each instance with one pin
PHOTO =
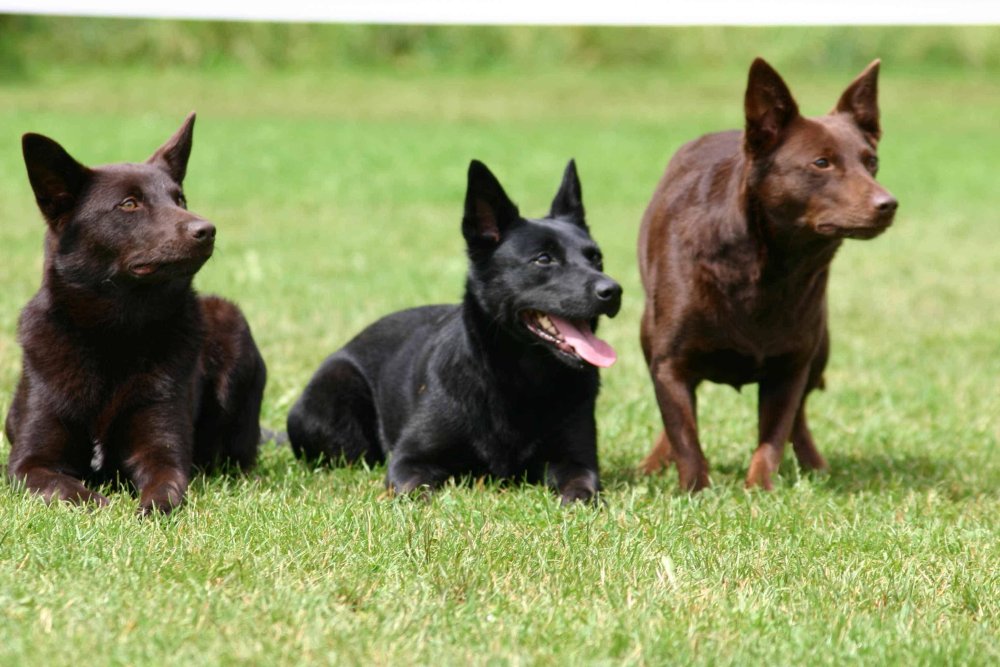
(860, 101)
(56, 178)
(173, 156)
(769, 108)
(568, 202)
(488, 210)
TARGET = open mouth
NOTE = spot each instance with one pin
(572, 338)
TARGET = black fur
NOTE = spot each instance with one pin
(468, 389)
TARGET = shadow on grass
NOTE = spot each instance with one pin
(956, 478)
(849, 474)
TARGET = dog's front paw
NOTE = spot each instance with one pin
(763, 465)
(163, 499)
(413, 489)
(578, 490)
(79, 495)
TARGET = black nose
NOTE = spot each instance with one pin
(610, 293)
(201, 230)
(885, 203)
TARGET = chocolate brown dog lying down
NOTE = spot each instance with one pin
(126, 372)
(735, 251)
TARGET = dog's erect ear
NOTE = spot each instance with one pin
(769, 108)
(860, 101)
(56, 178)
(568, 202)
(173, 156)
(488, 210)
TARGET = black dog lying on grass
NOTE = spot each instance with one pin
(503, 384)
(125, 370)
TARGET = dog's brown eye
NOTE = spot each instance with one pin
(872, 163)
(821, 162)
(182, 201)
(129, 204)
(543, 259)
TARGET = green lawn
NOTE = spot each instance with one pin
(337, 196)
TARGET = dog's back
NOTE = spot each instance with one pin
(691, 200)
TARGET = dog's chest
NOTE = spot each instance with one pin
(505, 443)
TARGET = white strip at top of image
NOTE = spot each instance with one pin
(538, 12)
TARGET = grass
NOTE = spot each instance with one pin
(337, 195)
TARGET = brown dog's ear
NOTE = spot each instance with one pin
(568, 202)
(860, 101)
(769, 108)
(173, 156)
(488, 210)
(56, 178)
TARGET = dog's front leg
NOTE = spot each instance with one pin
(158, 456)
(779, 398)
(574, 481)
(675, 395)
(408, 473)
(572, 453)
(38, 457)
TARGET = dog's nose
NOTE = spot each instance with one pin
(201, 230)
(610, 293)
(885, 203)
(607, 290)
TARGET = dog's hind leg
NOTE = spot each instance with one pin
(802, 442)
(335, 418)
(227, 429)
(659, 457)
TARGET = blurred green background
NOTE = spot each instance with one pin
(29, 44)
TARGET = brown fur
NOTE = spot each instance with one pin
(734, 252)
(126, 372)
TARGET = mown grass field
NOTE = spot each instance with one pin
(337, 195)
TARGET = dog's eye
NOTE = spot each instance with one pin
(821, 163)
(594, 257)
(129, 204)
(872, 163)
(543, 259)
(181, 201)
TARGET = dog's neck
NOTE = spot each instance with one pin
(509, 359)
(114, 311)
(784, 250)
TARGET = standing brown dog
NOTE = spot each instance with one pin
(735, 252)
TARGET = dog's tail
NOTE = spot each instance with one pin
(279, 438)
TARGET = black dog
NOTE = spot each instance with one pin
(125, 370)
(503, 384)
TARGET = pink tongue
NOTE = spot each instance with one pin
(594, 350)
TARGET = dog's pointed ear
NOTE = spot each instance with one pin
(56, 178)
(860, 101)
(173, 156)
(488, 210)
(568, 202)
(769, 108)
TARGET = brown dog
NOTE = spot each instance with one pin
(735, 252)
(127, 373)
